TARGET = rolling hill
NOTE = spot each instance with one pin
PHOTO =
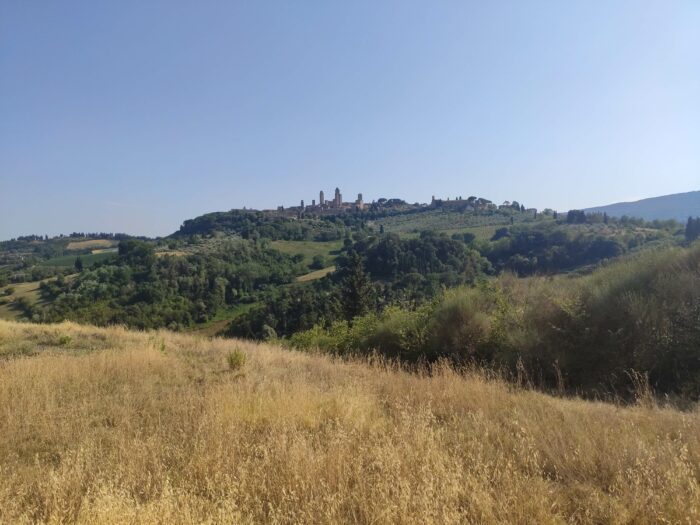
(113, 426)
(678, 206)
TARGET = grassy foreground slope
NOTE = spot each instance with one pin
(112, 426)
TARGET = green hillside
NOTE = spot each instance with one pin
(464, 280)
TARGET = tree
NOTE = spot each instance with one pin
(500, 233)
(466, 237)
(576, 217)
(135, 252)
(692, 229)
(318, 262)
(78, 264)
(356, 288)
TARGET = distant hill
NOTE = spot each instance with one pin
(678, 206)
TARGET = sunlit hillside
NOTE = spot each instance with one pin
(112, 426)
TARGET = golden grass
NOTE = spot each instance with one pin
(92, 243)
(112, 426)
(316, 274)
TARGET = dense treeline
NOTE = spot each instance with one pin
(410, 272)
(286, 310)
(257, 225)
(582, 217)
(430, 254)
(75, 235)
(552, 248)
(144, 291)
(371, 274)
(591, 334)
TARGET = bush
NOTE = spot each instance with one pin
(318, 262)
(235, 360)
(25, 305)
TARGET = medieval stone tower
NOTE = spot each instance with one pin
(338, 200)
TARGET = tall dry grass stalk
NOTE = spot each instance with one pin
(112, 426)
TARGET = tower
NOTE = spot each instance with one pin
(360, 204)
(338, 200)
(302, 204)
(321, 199)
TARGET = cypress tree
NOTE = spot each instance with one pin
(692, 229)
(356, 289)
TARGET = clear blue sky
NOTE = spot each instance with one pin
(133, 116)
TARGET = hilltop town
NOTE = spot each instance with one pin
(336, 205)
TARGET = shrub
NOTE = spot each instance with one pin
(318, 337)
(235, 360)
(318, 262)
(25, 305)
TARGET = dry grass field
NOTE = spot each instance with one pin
(316, 274)
(92, 243)
(113, 426)
(172, 253)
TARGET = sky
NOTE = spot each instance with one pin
(133, 116)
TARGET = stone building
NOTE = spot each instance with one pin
(338, 199)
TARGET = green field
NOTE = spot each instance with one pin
(28, 290)
(308, 249)
(68, 261)
(20, 290)
(480, 232)
(218, 323)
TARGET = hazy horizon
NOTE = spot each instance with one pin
(132, 118)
